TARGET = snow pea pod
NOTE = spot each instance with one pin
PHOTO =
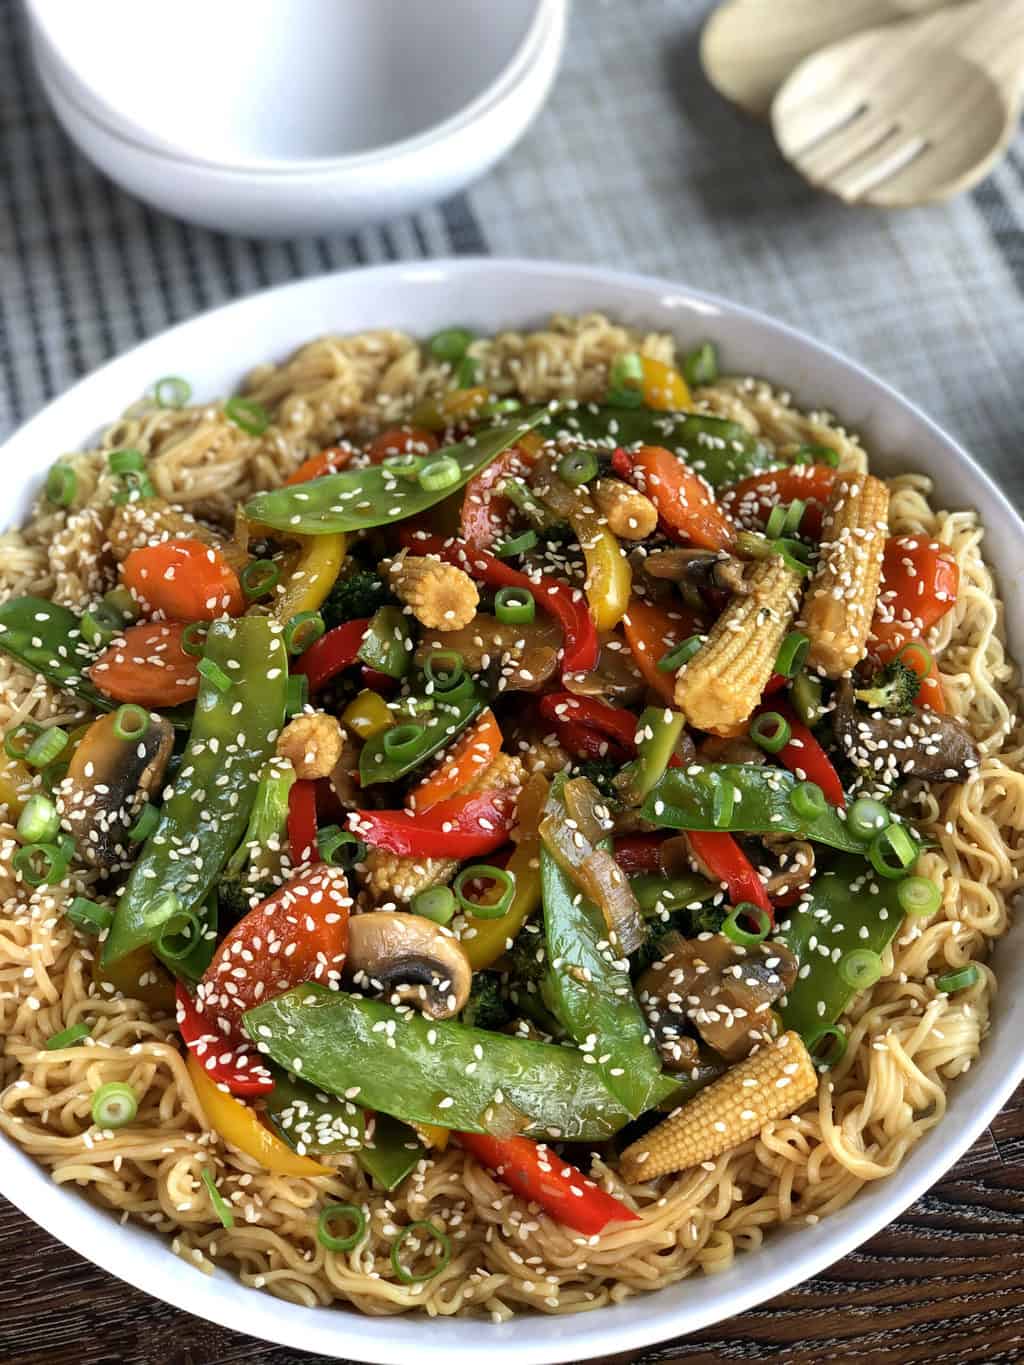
(720, 450)
(387, 644)
(390, 754)
(743, 799)
(438, 1071)
(205, 817)
(47, 638)
(377, 495)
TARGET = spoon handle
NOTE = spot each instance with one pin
(990, 32)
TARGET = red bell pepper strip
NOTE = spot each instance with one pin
(751, 500)
(804, 756)
(596, 715)
(582, 742)
(686, 505)
(726, 862)
(568, 605)
(302, 823)
(237, 1067)
(462, 827)
(337, 650)
(775, 684)
(536, 1172)
(329, 461)
(485, 510)
(920, 582)
(637, 853)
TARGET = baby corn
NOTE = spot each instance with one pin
(723, 682)
(440, 596)
(769, 1084)
(841, 598)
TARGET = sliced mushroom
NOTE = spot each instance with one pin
(716, 749)
(108, 782)
(410, 960)
(614, 678)
(796, 865)
(343, 775)
(700, 569)
(524, 656)
(924, 744)
(722, 989)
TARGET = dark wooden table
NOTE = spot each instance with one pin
(943, 1283)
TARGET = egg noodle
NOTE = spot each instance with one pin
(907, 1041)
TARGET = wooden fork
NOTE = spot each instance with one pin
(911, 113)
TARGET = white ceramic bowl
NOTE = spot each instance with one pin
(214, 351)
(271, 179)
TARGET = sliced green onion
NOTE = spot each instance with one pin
(67, 1037)
(339, 847)
(834, 1052)
(794, 552)
(514, 606)
(180, 936)
(402, 741)
(114, 1105)
(893, 852)
(808, 800)
(18, 741)
(680, 654)
(776, 521)
(214, 675)
(136, 487)
(406, 464)
(437, 903)
(193, 638)
(468, 372)
(627, 371)
(925, 661)
(771, 731)
(220, 1205)
(172, 391)
(131, 722)
(867, 817)
(145, 823)
(815, 454)
(794, 516)
(439, 474)
(805, 694)
(259, 577)
(701, 365)
(296, 694)
(101, 625)
(41, 864)
(450, 344)
(444, 670)
(39, 821)
(578, 467)
(918, 896)
(624, 398)
(860, 968)
(47, 747)
(485, 872)
(126, 462)
(441, 1238)
(303, 630)
(61, 485)
(745, 938)
(252, 417)
(960, 980)
(515, 545)
(335, 1213)
(121, 601)
(90, 916)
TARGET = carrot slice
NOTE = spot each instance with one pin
(685, 502)
(148, 665)
(751, 500)
(473, 753)
(401, 441)
(651, 631)
(184, 579)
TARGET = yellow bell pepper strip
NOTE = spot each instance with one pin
(663, 388)
(437, 413)
(15, 784)
(312, 575)
(237, 1124)
(490, 937)
(367, 714)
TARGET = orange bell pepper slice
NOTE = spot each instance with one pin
(686, 505)
(651, 631)
(184, 579)
(472, 755)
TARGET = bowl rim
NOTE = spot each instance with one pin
(544, 27)
(611, 1328)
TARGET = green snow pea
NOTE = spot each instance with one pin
(742, 799)
(204, 819)
(47, 638)
(720, 450)
(377, 495)
(387, 644)
(390, 754)
(657, 733)
(438, 1071)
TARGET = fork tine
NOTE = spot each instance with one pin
(810, 121)
(860, 178)
(829, 158)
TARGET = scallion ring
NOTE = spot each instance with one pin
(221, 1207)
(514, 606)
(172, 391)
(100, 625)
(578, 467)
(516, 545)
(867, 817)
(918, 896)
(444, 670)
(18, 741)
(114, 1105)
(805, 693)
(121, 601)
(41, 864)
(701, 365)
(834, 1052)
(406, 464)
(303, 630)
(815, 454)
(917, 657)
(960, 980)
(214, 675)
(485, 872)
(770, 731)
(67, 1037)
(296, 694)
(794, 516)
(776, 521)
(436, 903)
(193, 638)
(61, 485)
(808, 801)
(47, 747)
(794, 554)
(131, 722)
(145, 823)
(860, 968)
(90, 916)
(340, 847)
(252, 417)
(893, 852)
(39, 821)
(745, 938)
(126, 462)
(450, 344)
(402, 741)
(180, 936)
(436, 475)
(259, 578)
(441, 1238)
(680, 654)
(335, 1213)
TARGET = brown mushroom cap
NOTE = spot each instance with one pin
(525, 656)
(108, 782)
(411, 960)
(924, 744)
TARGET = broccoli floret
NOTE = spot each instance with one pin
(236, 897)
(707, 919)
(487, 1006)
(601, 772)
(892, 690)
(525, 975)
(359, 595)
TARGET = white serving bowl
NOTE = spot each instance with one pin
(214, 351)
(263, 173)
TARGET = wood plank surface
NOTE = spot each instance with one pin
(944, 1283)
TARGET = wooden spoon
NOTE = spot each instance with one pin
(749, 47)
(911, 113)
